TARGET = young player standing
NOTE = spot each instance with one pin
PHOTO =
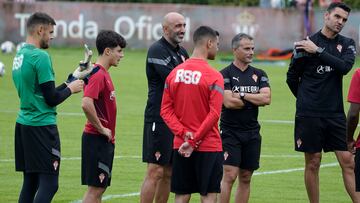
(99, 106)
(191, 107)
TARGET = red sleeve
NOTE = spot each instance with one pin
(354, 89)
(94, 86)
(168, 113)
(215, 103)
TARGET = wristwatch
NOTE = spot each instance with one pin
(319, 50)
(242, 95)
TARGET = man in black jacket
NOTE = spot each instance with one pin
(315, 78)
(163, 56)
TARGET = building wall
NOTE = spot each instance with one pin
(140, 24)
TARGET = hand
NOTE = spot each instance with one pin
(106, 132)
(351, 146)
(185, 149)
(306, 45)
(76, 86)
(85, 67)
(188, 136)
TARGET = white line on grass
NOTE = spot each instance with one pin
(82, 114)
(277, 121)
(282, 156)
(79, 158)
(293, 169)
(108, 197)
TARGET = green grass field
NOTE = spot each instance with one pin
(279, 179)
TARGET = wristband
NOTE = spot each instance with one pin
(242, 95)
(70, 78)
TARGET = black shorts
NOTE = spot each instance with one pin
(241, 149)
(97, 155)
(357, 170)
(157, 143)
(199, 173)
(37, 149)
(314, 134)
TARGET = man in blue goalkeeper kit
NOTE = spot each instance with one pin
(315, 78)
(37, 143)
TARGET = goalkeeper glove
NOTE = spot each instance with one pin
(85, 68)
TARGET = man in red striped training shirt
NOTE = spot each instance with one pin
(191, 107)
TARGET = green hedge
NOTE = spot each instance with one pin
(354, 4)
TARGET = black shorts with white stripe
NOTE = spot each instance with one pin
(97, 155)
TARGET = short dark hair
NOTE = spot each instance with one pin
(235, 42)
(202, 32)
(341, 5)
(109, 39)
(38, 18)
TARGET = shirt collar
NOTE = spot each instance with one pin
(164, 41)
(326, 38)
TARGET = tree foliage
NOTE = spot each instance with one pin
(354, 4)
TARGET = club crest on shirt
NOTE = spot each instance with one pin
(55, 164)
(254, 77)
(101, 177)
(339, 47)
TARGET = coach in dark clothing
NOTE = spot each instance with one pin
(245, 89)
(163, 56)
(315, 78)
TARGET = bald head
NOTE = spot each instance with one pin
(171, 18)
(174, 28)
